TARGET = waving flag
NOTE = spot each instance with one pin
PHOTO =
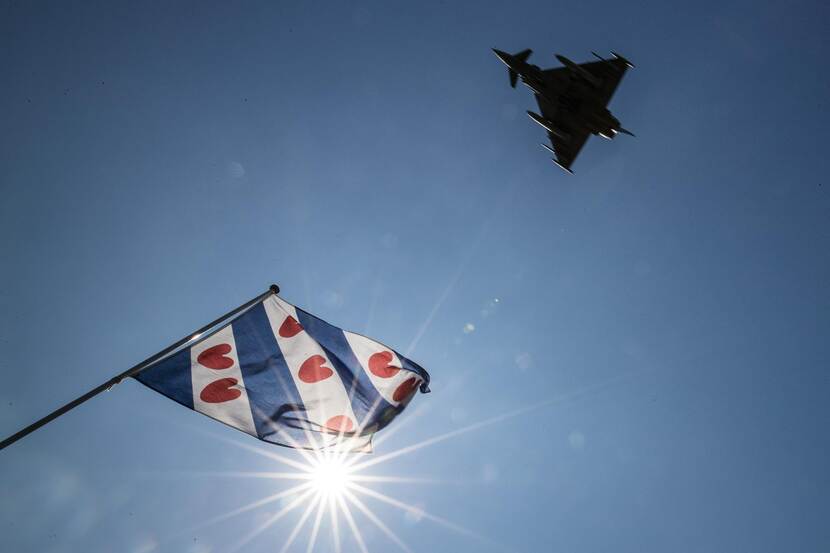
(283, 375)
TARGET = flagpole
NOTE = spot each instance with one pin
(134, 370)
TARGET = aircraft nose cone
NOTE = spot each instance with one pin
(503, 56)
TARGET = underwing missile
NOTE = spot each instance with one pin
(548, 126)
(622, 59)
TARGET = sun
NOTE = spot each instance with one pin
(330, 476)
(335, 485)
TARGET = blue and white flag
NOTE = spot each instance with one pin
(289, 378)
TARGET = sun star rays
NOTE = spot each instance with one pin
(333, 486)
(330, 484)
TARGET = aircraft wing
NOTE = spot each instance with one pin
(548, 110)
(610, 73)
(555, 74)
(566, 150)
(569, 137)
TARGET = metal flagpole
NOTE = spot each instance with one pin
(132, 371)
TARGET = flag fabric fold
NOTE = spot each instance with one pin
(287, 377)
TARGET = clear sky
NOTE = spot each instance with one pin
(161, 164)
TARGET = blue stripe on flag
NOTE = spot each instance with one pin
(363, 394)
(414, 367)
(275, 401)
(171, 377)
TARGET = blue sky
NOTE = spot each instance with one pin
(162, 164)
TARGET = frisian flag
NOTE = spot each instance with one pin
(287, 377)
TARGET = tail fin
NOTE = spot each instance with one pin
(522, 56)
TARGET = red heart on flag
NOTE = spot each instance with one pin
(340, 423)
(290, 327)
(220, 391)
(312, 370)
(379, 365)
(406, 389)
(215, 357)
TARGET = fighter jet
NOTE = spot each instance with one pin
(573, 100)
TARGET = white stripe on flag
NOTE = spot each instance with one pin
(321, 389)
(384, 368)
(218, 387)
